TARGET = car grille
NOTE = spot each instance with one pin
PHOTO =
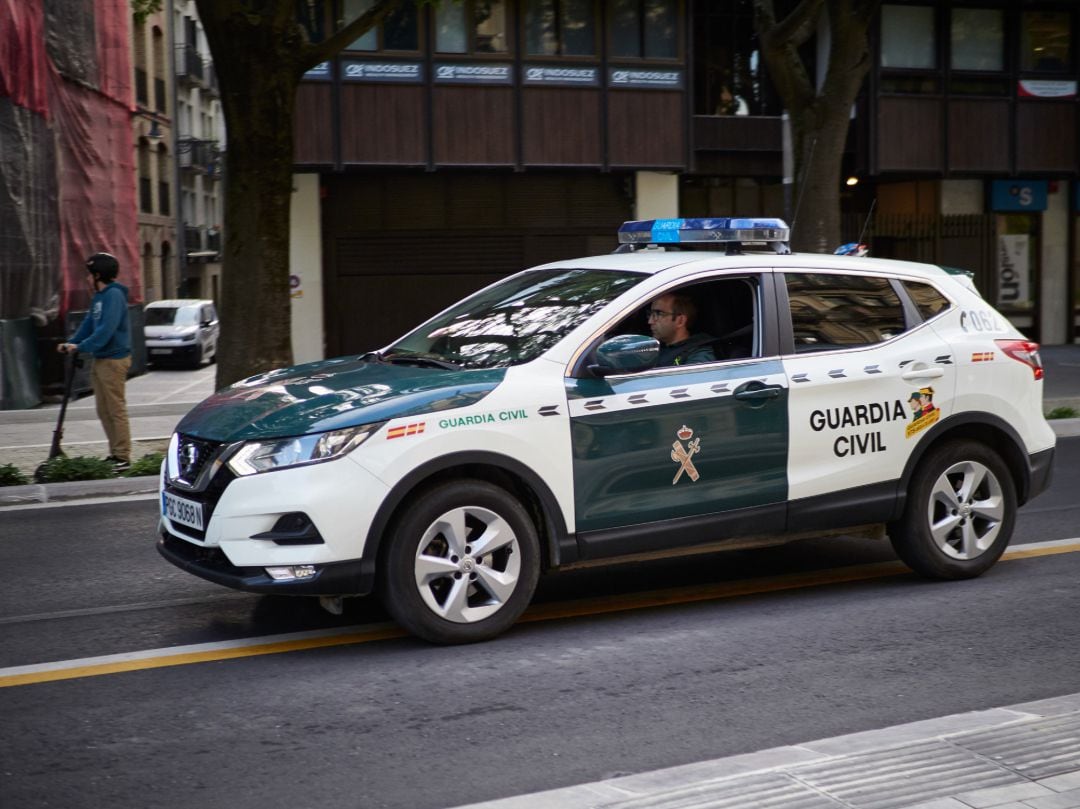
(192, 457)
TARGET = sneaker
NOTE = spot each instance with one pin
(119, 465)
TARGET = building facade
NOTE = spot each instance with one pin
(151, 59)
(199, 147)
(453, 145)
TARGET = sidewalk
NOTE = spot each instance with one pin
(156, 402)
(1023, 756)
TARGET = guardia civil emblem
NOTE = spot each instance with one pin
(682, 455)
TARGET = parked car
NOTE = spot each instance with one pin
(184, 330)
(529, 427)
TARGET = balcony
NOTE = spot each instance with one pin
(189, 66)
(200, 156)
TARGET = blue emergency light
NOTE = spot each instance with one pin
(727, 231)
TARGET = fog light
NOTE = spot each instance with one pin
(291, 572)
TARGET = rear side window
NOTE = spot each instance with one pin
(926, 298)
(842, 311)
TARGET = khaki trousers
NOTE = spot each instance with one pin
(108, 378)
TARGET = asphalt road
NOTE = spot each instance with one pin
(396, 723)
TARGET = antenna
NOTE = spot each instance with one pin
(866, 224)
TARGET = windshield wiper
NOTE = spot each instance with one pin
(416, 358)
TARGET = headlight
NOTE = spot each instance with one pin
(279, 453)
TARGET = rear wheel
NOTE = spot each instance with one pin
(462, 563)
(960, 512)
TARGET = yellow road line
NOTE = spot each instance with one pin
(538, 612)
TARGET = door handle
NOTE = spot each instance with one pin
(757, 391)
(924, 373)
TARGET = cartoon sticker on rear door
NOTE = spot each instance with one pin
(923, 410)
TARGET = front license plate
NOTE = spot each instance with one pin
(161, 351)
(181, 510)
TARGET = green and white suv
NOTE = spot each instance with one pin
(529, 427)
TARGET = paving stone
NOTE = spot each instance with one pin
(1062, 783)
(996, 796)
(1060, 800)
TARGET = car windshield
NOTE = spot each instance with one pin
(159, 315)
(171, 316)
(514, 321)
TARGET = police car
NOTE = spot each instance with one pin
(530, 427)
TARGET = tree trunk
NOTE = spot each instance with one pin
(260, 55)
(820, 117)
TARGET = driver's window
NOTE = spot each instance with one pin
(708, 321)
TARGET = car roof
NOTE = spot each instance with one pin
(178, 303)
(690, 261)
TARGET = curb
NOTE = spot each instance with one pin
(76, 490)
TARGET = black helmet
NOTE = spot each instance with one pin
(104, 266)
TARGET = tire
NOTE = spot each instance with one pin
(197, 362)
(439, 585)
(960, 512)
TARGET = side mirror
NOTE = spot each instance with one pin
(625, 354)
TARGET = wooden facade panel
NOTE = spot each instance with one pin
(382, 124)
(979, 135)
(312, 132)
(1046, 136)
(738, 133)
(561, 127)
(473, 126)
(646, 129)
(910, 134)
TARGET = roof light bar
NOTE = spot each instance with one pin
(773, 232)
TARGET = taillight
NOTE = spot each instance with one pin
(1024, 351)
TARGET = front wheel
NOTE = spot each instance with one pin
(959, 514)
(462, 564)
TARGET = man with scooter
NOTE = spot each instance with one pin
(106, 334)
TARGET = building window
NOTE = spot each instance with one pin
(729, 72)
(399, 30)
(1046, 41)
(471, 26)
(977, 37)
(560, 28)
(907, 37)
(644, 29)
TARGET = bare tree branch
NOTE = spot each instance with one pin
(318, 52)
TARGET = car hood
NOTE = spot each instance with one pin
(168, 331)
(331, 395)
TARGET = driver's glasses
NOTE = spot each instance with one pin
(656, 314)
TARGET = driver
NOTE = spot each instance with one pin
(671, 319)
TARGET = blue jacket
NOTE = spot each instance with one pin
(106, 331)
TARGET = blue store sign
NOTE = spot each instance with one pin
(1018, 195)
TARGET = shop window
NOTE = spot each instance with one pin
(560, 28)
(471, 26)
(729, 74)
(977, 38)
(644, 29)
(1046, 41)
(908, 37)
(399, 30)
